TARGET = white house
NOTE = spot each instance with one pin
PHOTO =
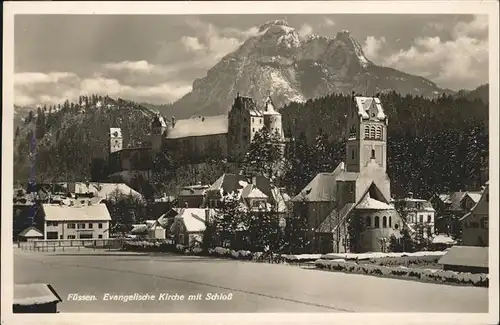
(76, 222)
(189, 224)
(417, 211)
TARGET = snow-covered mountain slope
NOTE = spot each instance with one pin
(280, 63)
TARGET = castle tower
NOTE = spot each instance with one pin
(366, 134)
(272, 118)
(158, 128)
(115, 140)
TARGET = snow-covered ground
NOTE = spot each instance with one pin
(256, 287)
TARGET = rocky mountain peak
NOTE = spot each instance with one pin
(278, 61)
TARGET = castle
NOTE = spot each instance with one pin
(225, 136)
(357, 194)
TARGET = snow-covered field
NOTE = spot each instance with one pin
(256, 287)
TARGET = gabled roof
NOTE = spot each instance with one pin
(322, 188)
(481, 206)
(198, 126)
(31, 232)
(475, 196)
(443, 239)
(466, 256)
(252, 192)
(97, 212)
(452, 200)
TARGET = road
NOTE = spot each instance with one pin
(254, 287)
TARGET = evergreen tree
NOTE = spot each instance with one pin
(264, 155)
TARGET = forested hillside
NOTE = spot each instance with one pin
(70, 135)
(433, 145)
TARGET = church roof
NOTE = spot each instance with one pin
(198, 126)
(31, 232)
(368, 203)
(322, 188)
(365, 103)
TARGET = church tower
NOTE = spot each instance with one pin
(115, 140)
(158, 128)
(366, 134)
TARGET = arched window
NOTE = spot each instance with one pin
(390, 222)
(377, 222)
(373, 154)
(384, 222)
(372, 132)
(379, 132)
(367, 132)
(396, 226)
(368, 221)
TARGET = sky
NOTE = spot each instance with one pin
(156, 58)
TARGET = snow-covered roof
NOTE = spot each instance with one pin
(34, 294)
(252, 192)
(198, 126)
(322, 188)
(368, 203)
(194, 219)
(364, 105)
(56, 212)
(104, 190)
(443, 239)
(31, 232)
(466, 256)
(475, 196)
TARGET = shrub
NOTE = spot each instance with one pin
(431, 275)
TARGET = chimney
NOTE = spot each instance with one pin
(238, 94)
(173, 121)
(410, 195)
(254, 180)
(186, 205)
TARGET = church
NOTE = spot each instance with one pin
(199, 137)
(349, 209)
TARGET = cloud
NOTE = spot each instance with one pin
(328, 22)
(305, 30)
(130, 66)
(192, 44)
(460, 62)
(372, 47)
(48, 89)
(27, 78)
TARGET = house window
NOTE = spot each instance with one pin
(372, 132)
(367, 132)
(253, 129)
(390, 222)
(377, 222)
(373, 154)
(429, 218)
(421, 218)
(99, 226)
(60, 236)
(51, 224)
(81, 226)
(368, 221)
(71, 237)
(260, 121)
(181, 239)
(384, 222)
(253, 120)
(352, 154)
(100, 236)
(71, 226)
(484, 223)
(91, 225)
(86, 236)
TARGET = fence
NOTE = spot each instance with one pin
(53, 244)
